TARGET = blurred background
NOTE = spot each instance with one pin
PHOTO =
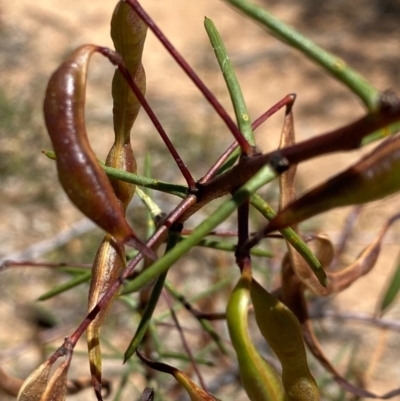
(38, 223)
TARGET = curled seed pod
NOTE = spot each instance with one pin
(288, 195)
(128, 32)
(107, 268)
(35, 384)
(342, 279)
(57, 386)
(80, 174)
(260, 380)
(374, 177)
(283, 333)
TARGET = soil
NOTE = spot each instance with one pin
(34, 38)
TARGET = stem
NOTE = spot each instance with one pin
(152, 183)
(245, 146)
(293, 238)
(151, 306)
(116, 59)
(180, 209)
(230, 156)
(239, 105)
(264, 176)
(335, 66)
(184, 342)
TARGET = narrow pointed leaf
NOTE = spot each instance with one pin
(195, 392)
(391, 291)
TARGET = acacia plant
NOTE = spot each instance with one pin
(103, 191)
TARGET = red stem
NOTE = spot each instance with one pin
(178, 211)
(287, 100)
(247, 149)
(116, 59)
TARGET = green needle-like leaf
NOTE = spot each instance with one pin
(66, 286)
(391, 291)
(294, 239)
(242, 115)
(332, 64)
(265, 175)
(173, 189)
(229, 247)
(151, 306)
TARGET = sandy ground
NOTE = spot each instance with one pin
(35, 36)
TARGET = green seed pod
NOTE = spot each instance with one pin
(283, 333)
(260, 380)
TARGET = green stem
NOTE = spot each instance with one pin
(293, 238)
(265, 175)
(81, 278)
(230, 247)
(242, 115)
(335, 66)
(173, 189)
(151, 306)
(382, 133)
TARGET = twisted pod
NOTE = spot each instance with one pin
(128, 33)
(79, 172)
(260, 380)
(283, 333)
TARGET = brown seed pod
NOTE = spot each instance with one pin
(79, 172)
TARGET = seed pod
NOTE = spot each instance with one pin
(128, 32)
(57, 387)
(374, 177)
(195, 392)
(35, 384)
(342, 279)
(283, 333)
(287, 195)
(260, 380)
(80, 174)
(107, 268)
